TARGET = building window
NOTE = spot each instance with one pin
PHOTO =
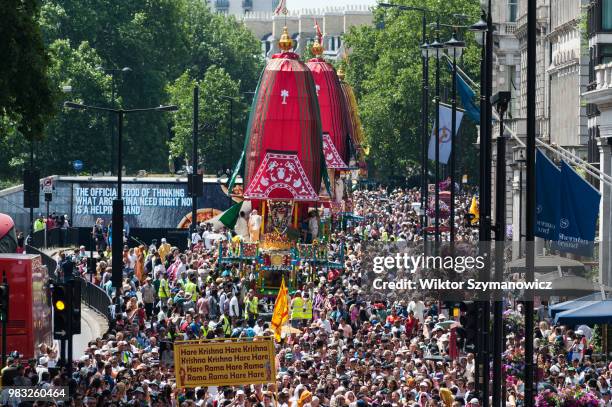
(605, 54)
(606, 15)
(512, 10)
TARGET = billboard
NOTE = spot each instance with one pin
(146, 205)
(204, 363)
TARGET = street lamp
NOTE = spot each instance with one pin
(454, 48)
(113, 73)
(425, 53)
(425, 50)
(117, 219)
(483, 30)
(231, 101)
(433, 51)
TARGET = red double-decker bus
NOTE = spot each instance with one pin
(29, 319)
(8, 237)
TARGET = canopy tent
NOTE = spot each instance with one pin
(547, 264)
(572, 304)
(333, 109)
(284, 145)
(595, 312)
(356, 133)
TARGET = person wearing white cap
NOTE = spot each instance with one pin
(42, 367)
(474, 402)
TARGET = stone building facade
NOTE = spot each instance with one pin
(333, 21)
(240, 7)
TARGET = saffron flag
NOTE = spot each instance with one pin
(578, 211)
(444, 135)
(474, 211)
(280, 316)
(548, 195)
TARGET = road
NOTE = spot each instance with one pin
(93, 325)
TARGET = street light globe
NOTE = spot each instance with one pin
(425, 50)
(454, 47)
(434, 48)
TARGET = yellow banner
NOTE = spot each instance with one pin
(202, 363)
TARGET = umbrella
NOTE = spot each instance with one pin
(288, 330)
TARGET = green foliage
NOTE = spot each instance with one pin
(385, 68)
(74, 134)
(159, 40)
(215, 116)
(27, 98)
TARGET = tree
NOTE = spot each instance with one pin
(159, 40)
(215, 137)
(27, 98)
(74, 134)
(385, 70)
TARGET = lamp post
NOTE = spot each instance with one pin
(113, 73)
(231, 101)
(425, 55)
(501, 101)
(531, 197)
(481, 374)
(455, 49)
(437, 46)
(117, 243)
(424, 131)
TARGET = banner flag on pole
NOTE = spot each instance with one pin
(444, 136)
(579, 208)
(280, 316)
(467, 96)
(230, 216)
(548, 195)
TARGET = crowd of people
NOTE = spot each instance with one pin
(350, 351)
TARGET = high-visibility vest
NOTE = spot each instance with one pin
(193, 290)
(204, 331)
(307, 310)
(250, 307)
(297, 308)
(227, 326)
(164, 290)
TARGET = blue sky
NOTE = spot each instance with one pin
(300, 4)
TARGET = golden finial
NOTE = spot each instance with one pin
(285, 43)
(341, 74)
(317, 48)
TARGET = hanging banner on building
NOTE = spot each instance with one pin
(444, 135)
(204, 363)
(579, 208)
(548, 178)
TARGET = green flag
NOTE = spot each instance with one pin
(230, 216)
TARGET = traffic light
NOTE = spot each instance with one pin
(4, 302)
(194, 185)
(75, 307)
(31, 188)
(469, 321)
(61, 302)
